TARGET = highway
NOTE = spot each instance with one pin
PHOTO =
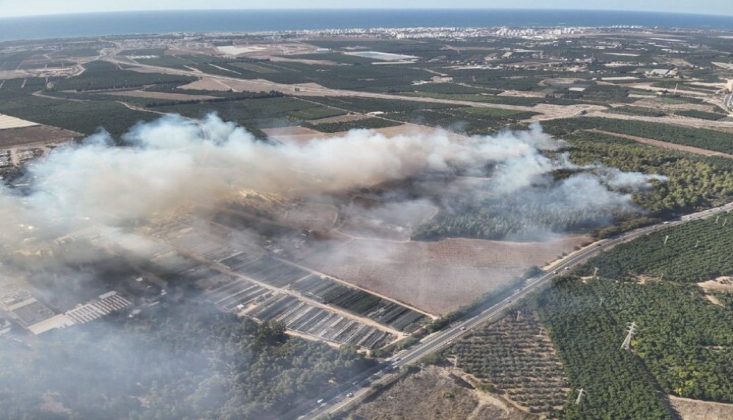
(438, 341)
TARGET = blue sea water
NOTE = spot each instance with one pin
(128, 23)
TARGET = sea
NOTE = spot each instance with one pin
(158, 22)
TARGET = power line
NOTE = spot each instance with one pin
(581, 394)
(627, 341)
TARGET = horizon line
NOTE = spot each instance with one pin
(357, 9)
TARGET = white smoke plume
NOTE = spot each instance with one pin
(175, 160)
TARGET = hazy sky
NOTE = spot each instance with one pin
(35, 7)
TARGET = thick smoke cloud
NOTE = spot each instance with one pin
(174, 161)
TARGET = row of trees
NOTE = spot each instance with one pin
(587, 337)
(694, 252)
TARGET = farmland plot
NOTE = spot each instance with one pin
(516, 355)
(318, 322)
(272, 271)
(360, 302)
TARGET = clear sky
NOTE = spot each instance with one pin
(10, 8)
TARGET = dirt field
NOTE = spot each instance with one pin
(7, 122)
(661, 105)
(339, 118)
(164, 95)
(35, 135)
(295, 134)
(258, 85)
(663, 144)
(433, 395)
(436, 277)
(701, 410)
(14, 74)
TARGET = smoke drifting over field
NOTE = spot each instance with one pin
(174, 160)
(508, 178)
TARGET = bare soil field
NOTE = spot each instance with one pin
(701, 410)
(656, 104)
(296, 134)
(268, 50)
(436, 277)
(521, 94)
(35, 135)
(8, 122)
(433, 394)
(257, 85)
(551, 112)
(14, 74)
(164, 95)
(659, 143)
(648, 86)
(340, 118)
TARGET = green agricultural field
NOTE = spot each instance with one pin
(636, 110)
(257, 68)
(102, 75)
(718, 141)
(713, 116)
(350, 125)
(682, 338)
(75, 116)
(694, 252)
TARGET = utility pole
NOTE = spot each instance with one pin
(581, 394)
(666, 238)
(716, 220)
(595, 272)
(627, 341)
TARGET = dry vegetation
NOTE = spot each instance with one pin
(701, 410)
(434, 395)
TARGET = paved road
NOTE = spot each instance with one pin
(728, 102)
(443, 339)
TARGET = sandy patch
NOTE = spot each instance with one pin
(713, 300)
(724, 284)
(240, 49)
